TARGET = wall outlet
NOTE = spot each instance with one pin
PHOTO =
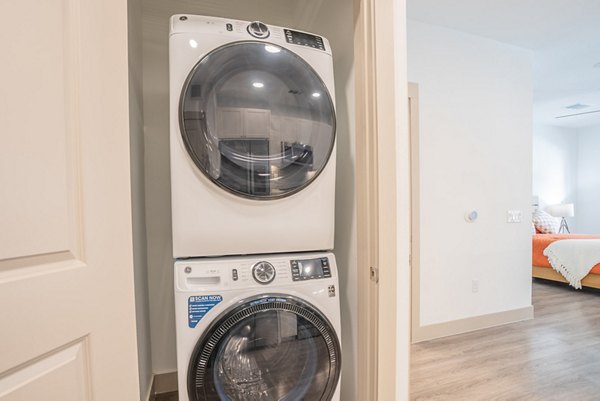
(475, 286)
(513, 216)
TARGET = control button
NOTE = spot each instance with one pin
(263, 272)
(229, 27)
(258, 30)
(234, 275)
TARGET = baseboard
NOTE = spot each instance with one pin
(163, 383)
(439, 330)
(151, 395)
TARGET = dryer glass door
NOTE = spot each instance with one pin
(275, 348)
(257, 120)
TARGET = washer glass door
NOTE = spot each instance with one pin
(257, 120)
(271, 349)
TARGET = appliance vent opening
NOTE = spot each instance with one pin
(577, 106)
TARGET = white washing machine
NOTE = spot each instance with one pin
(252, 138)
(258, 328)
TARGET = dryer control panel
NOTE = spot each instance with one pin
(304, 39)
(309, 269)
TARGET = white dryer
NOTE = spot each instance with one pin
(258, 328)
(252, 138)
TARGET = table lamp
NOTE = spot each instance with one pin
(563, 210)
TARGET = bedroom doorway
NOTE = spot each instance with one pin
(495, 81)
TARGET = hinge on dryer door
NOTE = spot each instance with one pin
(374, 274)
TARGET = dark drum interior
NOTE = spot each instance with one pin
(276, 350)
(257, 120)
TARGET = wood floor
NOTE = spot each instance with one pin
(555, 356)
(167, 397)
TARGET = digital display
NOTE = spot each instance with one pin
(310, 269)
(304, 39)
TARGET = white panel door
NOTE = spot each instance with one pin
(257, 123)
(231, 123)
(66, 266)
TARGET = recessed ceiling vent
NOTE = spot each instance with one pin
(579, 114)
(577, 106)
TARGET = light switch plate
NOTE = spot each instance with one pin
(513, 216)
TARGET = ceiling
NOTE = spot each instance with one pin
(564, 36)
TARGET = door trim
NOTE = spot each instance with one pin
(381, 137)
(415, 188)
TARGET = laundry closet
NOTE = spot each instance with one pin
(300, 163)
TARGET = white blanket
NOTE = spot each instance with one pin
(574, 258)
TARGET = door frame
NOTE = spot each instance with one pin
(413, 110)
(382, 200)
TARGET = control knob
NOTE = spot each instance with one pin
(258, 30)
(263, 272)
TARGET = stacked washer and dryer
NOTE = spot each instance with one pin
(253, 185)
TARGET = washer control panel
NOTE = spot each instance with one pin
(304, 39)
(309, 269)
(254, 271)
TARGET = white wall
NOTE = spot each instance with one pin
(587, 209)
(136, 127)
(158, 187)
(335, 22)
(476, 154)
(333, 19)
(555, 156)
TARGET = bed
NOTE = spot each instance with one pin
(542, 268)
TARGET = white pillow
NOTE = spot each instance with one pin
(545, 223)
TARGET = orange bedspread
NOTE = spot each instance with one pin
(541, 241)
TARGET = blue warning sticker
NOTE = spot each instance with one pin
(199, 306)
